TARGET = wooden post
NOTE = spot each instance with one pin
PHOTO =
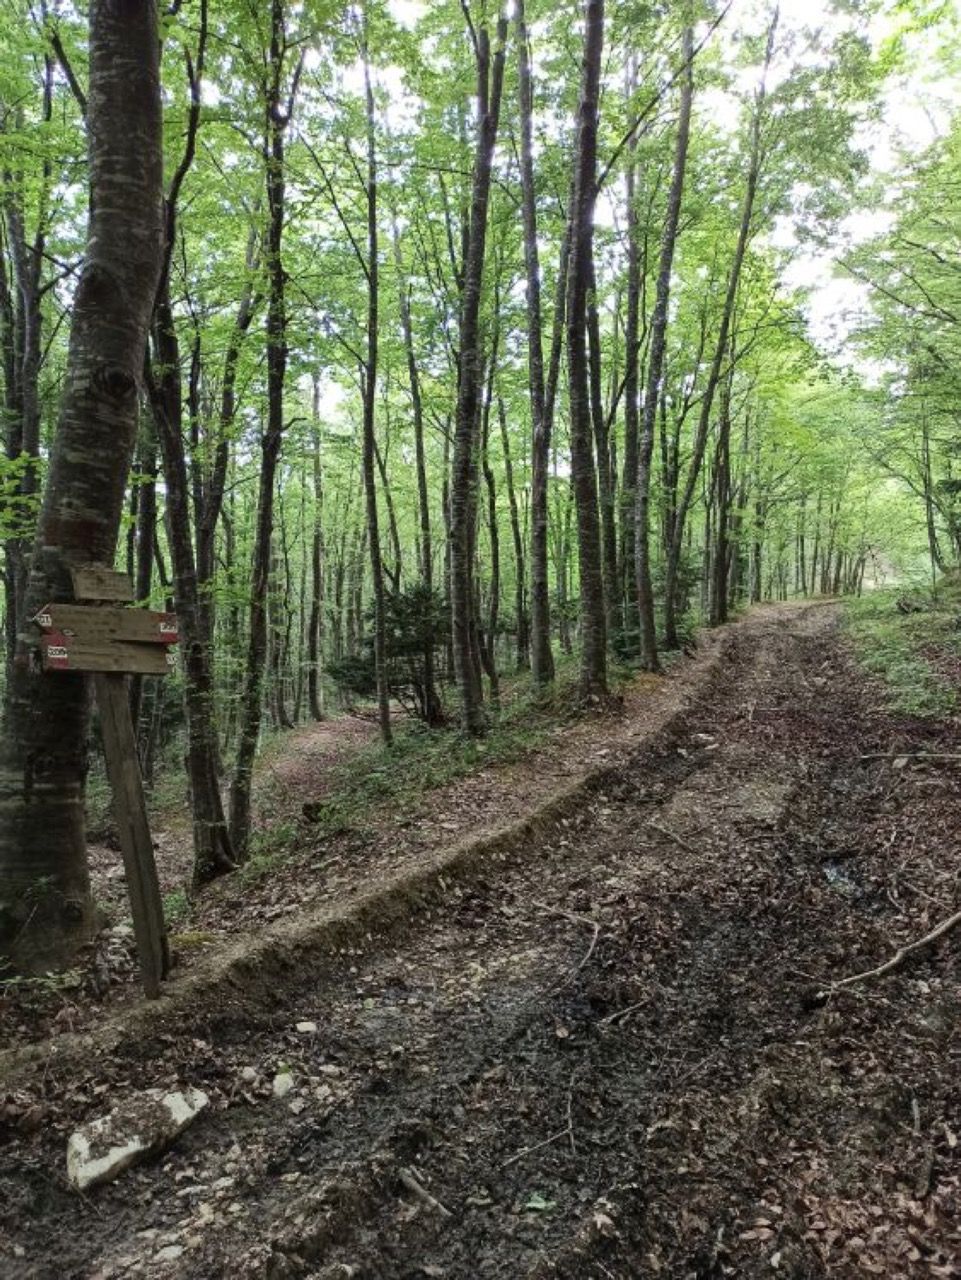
(130, 811)
(108, 642)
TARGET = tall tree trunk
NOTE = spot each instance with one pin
(146, 533)
(46, 910)
(463, 495)
(542, 659)
(316, 567)
(370, 403)
(722, 497)
(520, 573)
(275, 124)
(632, 325)
(433, 711)
(606, 470)
(213, 853)
(593, 673)
(655, 369)
(489, 649)
(720, 350)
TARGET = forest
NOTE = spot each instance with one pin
(460, 383)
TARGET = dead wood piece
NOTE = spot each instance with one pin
(418, 1189)
(671, 835)
(899, 957)
(621, 1013)
(575, 919)
(526, 1151)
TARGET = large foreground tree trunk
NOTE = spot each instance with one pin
(46, 910)
(593, 677)
(542, 658)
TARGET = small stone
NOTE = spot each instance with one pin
(297, 1105)
(283, 1083)
(169, 1254)
(249, 1074)
(307, 1028)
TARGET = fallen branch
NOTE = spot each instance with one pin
(671, 835)
(421, 1192)
(526, 1151)
(621, 1013)
(575, 919)
(566, 1132)
(899, 957)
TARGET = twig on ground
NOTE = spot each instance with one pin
(672, 835)
(570, 1116)
(420, 1191)
(566, 1132)
(899, 957)
(526, 1151)
(575, 919)
(620, 1013)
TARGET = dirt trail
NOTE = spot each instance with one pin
(600, 1061)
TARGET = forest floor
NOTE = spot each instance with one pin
(601, 1049)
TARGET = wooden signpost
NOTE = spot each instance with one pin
(97, 634)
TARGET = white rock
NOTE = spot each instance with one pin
(307, 1028)
(283, 1083)
(169, 1254)
(140, 1126)
(249, 1074)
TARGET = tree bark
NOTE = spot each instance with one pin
(370, 403)
(213, 853)
(276, 120)
(655, 369)
(720, 350)
(593, 670)
(46, 910)
(314, 698)
(463, 490)
(520, 570)
(542, 658)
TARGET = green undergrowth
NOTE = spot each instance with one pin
(422, 760)
(903, 648)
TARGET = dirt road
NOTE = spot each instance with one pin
(602, 1060)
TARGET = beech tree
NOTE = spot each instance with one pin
(45, 905)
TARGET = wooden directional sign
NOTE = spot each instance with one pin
(89, 623)
(111, 642)
(94, 582)
(59, 652)
(83, 637)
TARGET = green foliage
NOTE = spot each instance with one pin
(903, 650)
(416, 620)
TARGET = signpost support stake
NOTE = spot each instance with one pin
(130, 810)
